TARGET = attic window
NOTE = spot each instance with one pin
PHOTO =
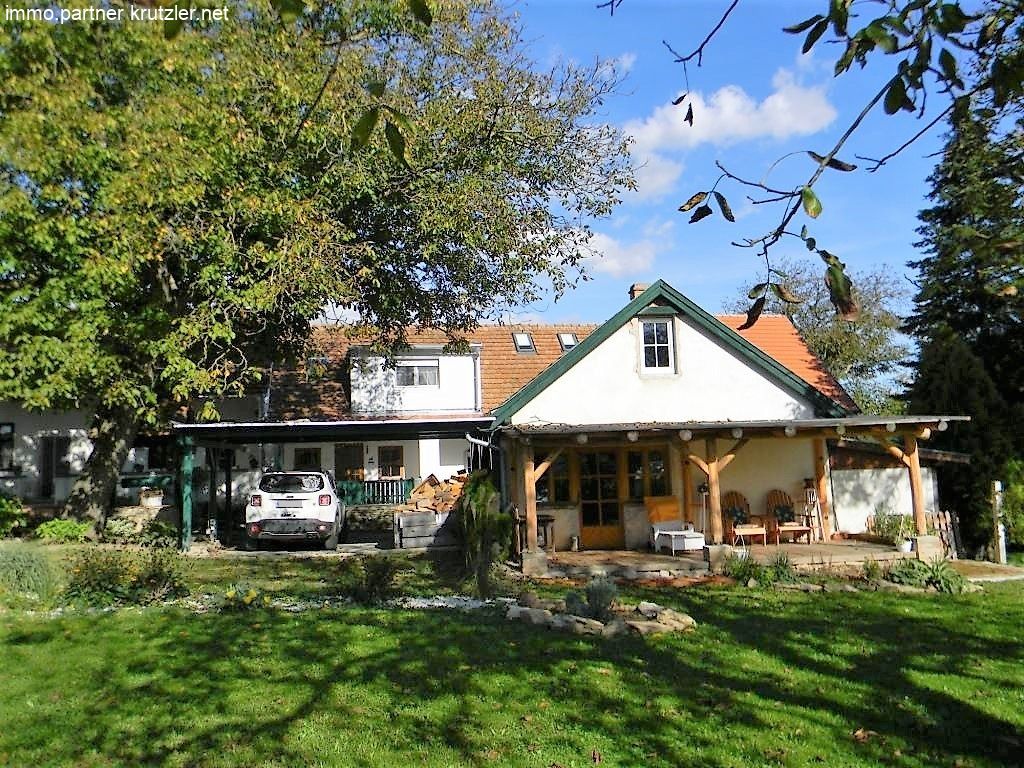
(657, 346)
(417, 373)
(316, 367)
(523, 342)
(568, 341)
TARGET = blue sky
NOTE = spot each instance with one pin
(755, 99)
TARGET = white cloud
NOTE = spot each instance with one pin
(616, 258)
(728, 116)
(625, 62)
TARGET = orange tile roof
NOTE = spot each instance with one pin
(504, 371)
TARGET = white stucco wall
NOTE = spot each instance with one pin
(374, 389)
(29, 429)
(709, 383)
(422, 457)
(862, 492)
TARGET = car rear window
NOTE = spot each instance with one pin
(291, 483)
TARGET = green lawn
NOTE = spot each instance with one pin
(768, 679)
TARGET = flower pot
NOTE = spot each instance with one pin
(906, 545)
(151, 502)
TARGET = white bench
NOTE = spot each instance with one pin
(677, 535)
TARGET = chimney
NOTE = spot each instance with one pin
(636, 289)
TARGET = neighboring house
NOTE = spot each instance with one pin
(599, 418)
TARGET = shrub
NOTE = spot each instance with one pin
(63, 531)
(743, 569)
(779, 569)
(872, 570)
(120, 531)
(27, 576)
(102, 577)
(907, 571)
(601, 594)
(944, 577)
(369, 580)
(483, 530)
(890, 526)
(242, 597)
(13, 516)
(1013, 502)
(158, 533)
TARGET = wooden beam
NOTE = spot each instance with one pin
(697, 460)
(687, 491)
(544, 466)
(726, 460)
(530, 497)
(821, 488)
(916, 487)
(714, 492)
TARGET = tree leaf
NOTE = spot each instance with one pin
(364, 128)
(421, 11)
(397, 143)
(895, 97)
(948, 63)
(796, 29)
(375, 87)
(289, 10)
(833, 163)
(785, 294)
(701, 213)
(689, 115)
(697, 199)
(803, 232)
(811, 203)
(753, 313)
(840, 289)
(678, 100)
(811, 243)
(723, 205)
(172, 28)
(816, 32)
(757, 290)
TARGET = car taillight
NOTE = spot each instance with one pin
(325, 499)
(256, 500)
(254, 529)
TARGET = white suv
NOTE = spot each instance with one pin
(294, 506)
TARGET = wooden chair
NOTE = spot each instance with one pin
(782, 517)
(739, 523)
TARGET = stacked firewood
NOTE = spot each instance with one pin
(433, 495)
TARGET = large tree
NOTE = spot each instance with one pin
(866, 355)
(173, 213)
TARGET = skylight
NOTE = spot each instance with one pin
(568, 341)
(523, 342)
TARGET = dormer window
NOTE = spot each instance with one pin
(567, 341)
(524, 343)
(657, 346)
(417, 373)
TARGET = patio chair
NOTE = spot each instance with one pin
(739, 523)
(782, 517)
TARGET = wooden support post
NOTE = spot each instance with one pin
(821, 487)
(687, 491)
(530, 497)
(185, 484)
(544, 466)
(916, 487)
(714, 491)
(212, 502)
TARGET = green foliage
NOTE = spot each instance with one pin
(597, 602)
(484, 531)
(369, 580)
(938, 574)
(243, 597)
(891, 527)
(120, 531)
(13, 516)
(1013, 501)
(779, 569)
(872, 570)
(159, 533)
(27, 576)
(100, 576)
(63, 531)
(743, 568)
(865, 356)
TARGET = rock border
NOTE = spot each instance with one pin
(643, 619)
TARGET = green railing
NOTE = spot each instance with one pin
(355, 492)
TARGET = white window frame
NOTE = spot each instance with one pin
(416, 364)
(657, 370)
(569, 337)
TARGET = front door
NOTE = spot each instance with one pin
(600, 506)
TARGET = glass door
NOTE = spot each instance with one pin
(600, 505)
